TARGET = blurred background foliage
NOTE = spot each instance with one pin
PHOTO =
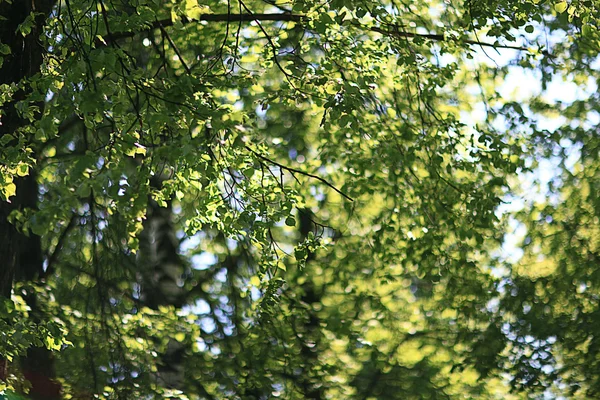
(300, 200)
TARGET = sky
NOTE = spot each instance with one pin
(519, 86)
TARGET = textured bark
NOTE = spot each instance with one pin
(22, 63)
(21, 255)
(162, 267)
(311, 334)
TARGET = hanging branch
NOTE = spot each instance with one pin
(441, 38)
(288, 17)
(163, 23)
(297, 171)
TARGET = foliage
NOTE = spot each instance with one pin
(304, 199)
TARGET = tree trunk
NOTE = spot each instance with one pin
(21, 255)
(23, 62)
(161, 268)
(311, 338)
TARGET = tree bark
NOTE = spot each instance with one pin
(23, 62)
(21, 255)
(161, 267)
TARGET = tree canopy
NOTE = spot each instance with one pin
(253, 199)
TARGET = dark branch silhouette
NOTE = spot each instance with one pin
(287, 17)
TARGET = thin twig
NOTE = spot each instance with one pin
(297, 171)
(441, 38)
(59, 245)
(286, 17)
(175, 49)
(209, 18)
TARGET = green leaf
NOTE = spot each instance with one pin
(23, 170)
(561, 6)
(255, 281)
(290, 221)
(8, 190)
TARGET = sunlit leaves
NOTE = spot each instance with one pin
(561, 6)
(321, 192)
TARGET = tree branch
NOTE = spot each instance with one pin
(163, 23)
(59, 245)
(288, 17)
(441, 38)
(297, 171)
